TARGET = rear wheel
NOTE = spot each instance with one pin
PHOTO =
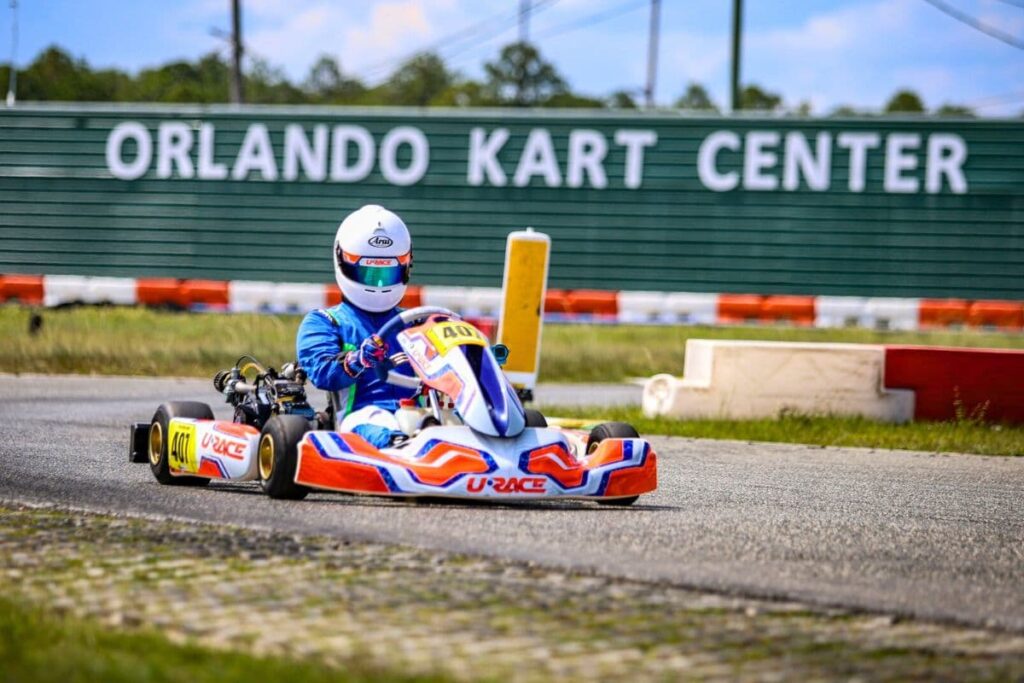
(278, 455)
(535, 418)
(612, 430)
(159, 441)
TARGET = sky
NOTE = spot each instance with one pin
(823, 52)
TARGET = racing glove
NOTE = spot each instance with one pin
(371, 352)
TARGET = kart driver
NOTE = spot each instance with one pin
(338, 347)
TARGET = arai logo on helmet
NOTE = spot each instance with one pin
(380, 241)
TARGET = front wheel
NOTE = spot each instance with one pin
(612, 430)
(160, 440)
(278, 455)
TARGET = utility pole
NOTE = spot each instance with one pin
(652, 52)
(524, 20)
(237, 91)
(737, 29)
(12, 80)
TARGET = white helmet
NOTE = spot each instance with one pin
(372, 258)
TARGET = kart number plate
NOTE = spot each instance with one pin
(181, 451)
(447, 335)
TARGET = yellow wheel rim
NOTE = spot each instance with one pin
(593, 447)
(156, 443)
(266, 457)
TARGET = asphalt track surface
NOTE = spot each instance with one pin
(909, 534)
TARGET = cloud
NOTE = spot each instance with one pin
(393, 28)
(861, 53)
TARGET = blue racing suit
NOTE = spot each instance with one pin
(324, 337)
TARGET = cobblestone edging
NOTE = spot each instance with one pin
(420, 611)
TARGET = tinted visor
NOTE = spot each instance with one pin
(374, 271)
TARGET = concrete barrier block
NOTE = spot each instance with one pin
(250, 296)
(751, 380)
(299, 297)
(839, 311)
(642, 307)
(671, 308)
(892, 314)
(67, 289)
(472, 302)
(694, 308)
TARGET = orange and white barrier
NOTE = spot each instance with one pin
(560, 305)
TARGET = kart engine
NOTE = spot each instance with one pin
(270, 393)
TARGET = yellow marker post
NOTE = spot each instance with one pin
(522, 305)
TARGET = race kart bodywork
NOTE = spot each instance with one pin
(468, 434)
(448, 461)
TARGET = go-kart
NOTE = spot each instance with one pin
(468, 434)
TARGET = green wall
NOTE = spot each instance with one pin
(948, 221)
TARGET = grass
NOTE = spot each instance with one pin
(965, 435)
(42, 647)
(136, 341)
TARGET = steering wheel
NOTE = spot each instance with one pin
(400, 322)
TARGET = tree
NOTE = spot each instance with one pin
(955, 110)
(621, 99)
(268, 84)
(753, 97)
(465, 94)
(904, 101)
(569, 100)
(521, 78)
(845, 111)
(326, 83)
(696, 98)
(419, 81)
(205, 81)
(55, 75)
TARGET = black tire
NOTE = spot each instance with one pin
(612, 430)
(159, 444)
(535, 418)
(278, 455)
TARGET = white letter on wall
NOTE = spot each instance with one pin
(297, 151)
(208, 168)
(947, 153)
(256, 154)
(587, 149)
(129, 130)
(174, 144)
(707, 156)
(898, 160)
(816, 168)
(418, 163)
(858, 144)
(757, 159)
(483, 157)
(341, 172)
(635, 141)
(538, 158)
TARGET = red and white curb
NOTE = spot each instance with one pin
(579, 305)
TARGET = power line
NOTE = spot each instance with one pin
(582, 22)
(975, 24)
(996, 100)
(1015, 3)
(595, 18)
(461, 40)
(536, 8)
